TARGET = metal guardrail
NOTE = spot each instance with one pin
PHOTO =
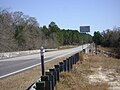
(51, 77)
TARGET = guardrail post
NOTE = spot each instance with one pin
(57, 72)
(78, 56)
(64, 65)
(47, 83)
(68, 66)
(40, 85)
(71, 62)
(84, 51)
(50, 80)
(61, 66)
(73, 59)
(54, 74)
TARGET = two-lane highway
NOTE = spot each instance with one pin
(18, 64)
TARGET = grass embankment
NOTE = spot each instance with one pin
(96, 72)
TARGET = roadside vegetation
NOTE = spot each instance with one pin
(92, 72)
(110, 39)
(21, 81)
(95, 72)
(22, 32)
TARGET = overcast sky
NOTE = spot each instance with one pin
(70, 14)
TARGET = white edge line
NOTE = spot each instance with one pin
(24, 69)
(27, 68)
(33, 66)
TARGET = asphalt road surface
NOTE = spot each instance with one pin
(14, 65)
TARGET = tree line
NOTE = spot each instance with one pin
(108, 38)
(21, 32)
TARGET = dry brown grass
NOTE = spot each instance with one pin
(20, 81)
(78, 79)
(81, 56)
(105, 48)
(23, 80)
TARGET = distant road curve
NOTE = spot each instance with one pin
(14, 65)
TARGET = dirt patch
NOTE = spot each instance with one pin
(96, 72)
(109, 76)
(106, 70)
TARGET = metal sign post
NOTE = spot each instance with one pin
(42, 60)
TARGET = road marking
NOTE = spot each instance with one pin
(23, 69)
(35, 65)
(67, 54)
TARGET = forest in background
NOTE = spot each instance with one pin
(109, 38)
(20, 32)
